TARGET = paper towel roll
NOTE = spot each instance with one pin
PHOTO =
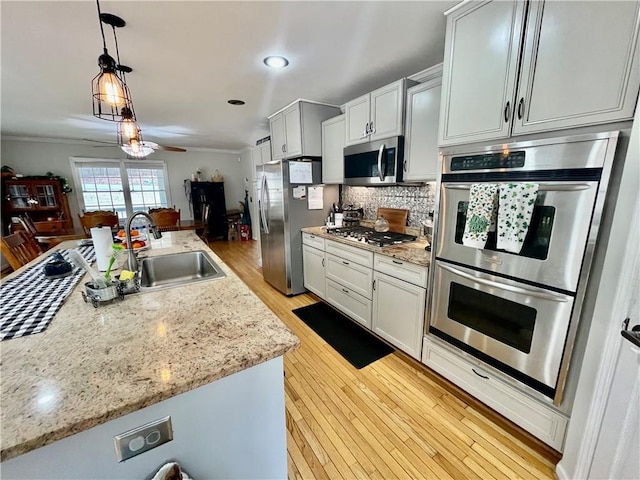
(102, 241)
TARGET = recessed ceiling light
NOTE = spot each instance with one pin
(276, 62)
(235, 102)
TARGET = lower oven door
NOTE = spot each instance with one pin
(517, 328)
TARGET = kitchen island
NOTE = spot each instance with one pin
(209, 354)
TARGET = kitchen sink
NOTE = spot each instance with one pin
(177, 269)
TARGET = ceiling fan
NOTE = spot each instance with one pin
(144, 148)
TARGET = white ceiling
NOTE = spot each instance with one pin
(189, 58)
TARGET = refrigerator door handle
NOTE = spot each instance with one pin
(263, 217)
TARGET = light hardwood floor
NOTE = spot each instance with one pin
(393, 419)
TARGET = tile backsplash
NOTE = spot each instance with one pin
(419, 200)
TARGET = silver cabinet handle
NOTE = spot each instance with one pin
(345, 290)
(404, 166)
(543, 187)
(371, 129)
(380, 152)
(374, 284)
(507, 112)
(397, 262)
(323, 262)
(346, 263)
(552, 297)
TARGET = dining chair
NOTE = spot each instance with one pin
(19, 248)
(160, 209)
(206, 210)
(44, 241)
(166, 220)
(106, 218)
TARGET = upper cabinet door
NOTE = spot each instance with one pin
(421, 140)
(580, 65)
(265, 152)
(387, 111)
(333, 131)
(481, 54)
(357, 120)
(293, 131)
(276, 125)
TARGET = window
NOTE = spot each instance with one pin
(121, 185)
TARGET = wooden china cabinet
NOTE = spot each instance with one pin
(41, 198)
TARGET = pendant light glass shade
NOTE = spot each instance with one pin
(136, 148)
(128, 129)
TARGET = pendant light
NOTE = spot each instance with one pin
(109, 90)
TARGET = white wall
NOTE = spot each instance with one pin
(37, 158)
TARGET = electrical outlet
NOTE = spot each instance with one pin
(143, 438)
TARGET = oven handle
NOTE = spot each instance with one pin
(552, 297)
(543, 187)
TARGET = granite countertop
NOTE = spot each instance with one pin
(92, 365)
(413, 252)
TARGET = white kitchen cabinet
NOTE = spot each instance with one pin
(313, 262)
(421, 139)
(398, 312)
(333, 143)
(296, 129)
(536, 417)
(355, 277)
(576, 69)
(376, 115)
(260, 154)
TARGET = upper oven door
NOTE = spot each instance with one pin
(555, 244)
(374, 163)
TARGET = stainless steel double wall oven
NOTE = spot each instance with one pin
(519, 312)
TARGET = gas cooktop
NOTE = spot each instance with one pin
(370, 236)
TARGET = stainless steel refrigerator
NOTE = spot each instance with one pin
(284, 209)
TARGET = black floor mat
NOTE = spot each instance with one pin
(356, 345)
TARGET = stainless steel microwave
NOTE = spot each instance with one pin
(374, 163)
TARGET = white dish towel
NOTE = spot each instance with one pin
(481, 214)
(514, 215)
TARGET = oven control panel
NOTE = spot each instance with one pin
(488, 161)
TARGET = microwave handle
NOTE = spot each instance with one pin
(553, 297)
(380, 172)
(543, 187)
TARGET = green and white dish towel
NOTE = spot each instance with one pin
(481, 214)
(514, 215)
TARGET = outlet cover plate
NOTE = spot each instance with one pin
(143, 438)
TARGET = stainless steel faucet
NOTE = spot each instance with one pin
(132, 259)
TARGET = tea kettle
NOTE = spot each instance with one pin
(381, 225)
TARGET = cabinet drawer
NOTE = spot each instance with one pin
(313, 241)
(535, 417)
(349, 274)
(350, 303)
(409, 272)
(353, 254)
